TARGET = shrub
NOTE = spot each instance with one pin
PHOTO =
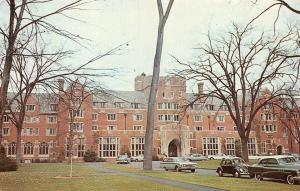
(90, 156)
(6, 164)
(99, 159)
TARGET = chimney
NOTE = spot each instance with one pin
(200, 87)
(61, 83)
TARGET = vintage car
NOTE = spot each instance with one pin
(217, 156)
(178, 164)
(276, 167)
(123, 159)
(197, 157)
(233, 165)
(137, 158)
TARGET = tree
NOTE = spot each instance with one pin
(163, 17)
(288, 115)
(245, 72)
(28, 24)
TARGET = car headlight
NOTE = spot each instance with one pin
(298, 173)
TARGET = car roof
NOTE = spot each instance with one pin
(275, 157)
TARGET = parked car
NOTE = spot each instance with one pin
(217, 156)
(123, 159)
(178, 164)
(197, 157)
(137, 158)
(276, 167)
(233, 165)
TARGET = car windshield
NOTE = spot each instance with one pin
(181, 159)
(286, 160)
(238, 161)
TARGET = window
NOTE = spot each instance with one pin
(50, 131)
(210, 107)
(28, 149)
(12, 148)
(210, 145)
(108, 147)
(99, 104)
(167, 105)
(176, 117)
(168, 117)
(137, 117)
(30, 131)
(230, 146)
(268, 106)
(197, 118)
(220, 118)
(198, 128)
(31, 119)
(94, 116)
(52, 119)
(53, 107)
(30, 107)
(44, 148)
(76, 113)
(136, 105)
(268, 117)
(80, 147)
(221, 128)
(263, 147)
(137, 127)
(5, 119)
(94, 127)
(252, 146)
(5, 131)
(119, 104)
(78, 127)
(269, 128)
(137, 145)
(111, 127)
(111, 117)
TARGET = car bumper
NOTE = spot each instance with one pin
(187, 167)
(297, 178)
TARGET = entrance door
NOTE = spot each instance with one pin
(173, 148)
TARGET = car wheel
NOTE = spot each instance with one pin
(290, 179)
(136, 160)
(192, 170)
(236, 174)
(220, 172)
(258, 177)
(177, 169)
(211, 158)
(165, 169)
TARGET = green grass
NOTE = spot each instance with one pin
(214, 164)
(40, 177)
(227, 183)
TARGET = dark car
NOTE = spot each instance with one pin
(235, 166)
(276, 167)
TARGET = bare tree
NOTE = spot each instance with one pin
(245, 72)
(289, 115)
(29, 23)
(163, 17)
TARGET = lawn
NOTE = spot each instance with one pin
(227, 183)
(40, 177)
(213, 164)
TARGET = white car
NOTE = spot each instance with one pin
(138, 158)
(217, 156)
(178, 164)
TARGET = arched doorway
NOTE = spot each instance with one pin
(173, 149)
(279, 150)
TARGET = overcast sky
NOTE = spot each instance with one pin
(113, 22)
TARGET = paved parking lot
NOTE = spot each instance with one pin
(155, 166)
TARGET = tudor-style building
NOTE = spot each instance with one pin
(115, 122)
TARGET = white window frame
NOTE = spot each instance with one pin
(30, 107)
(137, 127)
(220, 118)
(137, 117)
(51, 131)
(110, 117)
(198, 118)
(211, 145)
(53, 117)
(137, 146)
(108, 147)
(230, 146)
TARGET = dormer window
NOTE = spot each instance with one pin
(136, 105)
(53, 107)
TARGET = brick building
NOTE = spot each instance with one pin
(114, 123)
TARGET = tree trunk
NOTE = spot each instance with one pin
(152, 101)
(19, 148)
(245, 154)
